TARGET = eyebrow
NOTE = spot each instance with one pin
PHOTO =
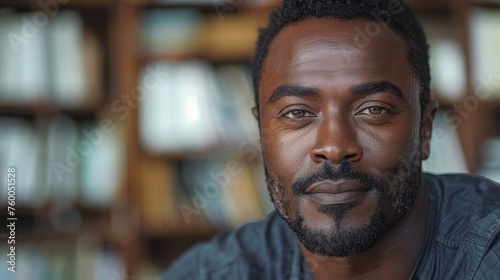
(362, 89)
(289, 90)
(379, 86)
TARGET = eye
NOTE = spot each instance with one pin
(298, 114)
(375, 110)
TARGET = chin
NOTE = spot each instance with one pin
(330, 233)
(338, 217)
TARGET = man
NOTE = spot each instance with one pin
(342, 92)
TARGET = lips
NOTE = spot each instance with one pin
(337, 192)
(335, 187)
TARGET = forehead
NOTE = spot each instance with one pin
(356, 49)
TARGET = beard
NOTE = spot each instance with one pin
(399, 188)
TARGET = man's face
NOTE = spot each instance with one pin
(342, 146)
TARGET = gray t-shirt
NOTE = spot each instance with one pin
(462, 240)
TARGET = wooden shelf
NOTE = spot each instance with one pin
(73, 4)
(180, 235)
(443, 102)
(193, 230)
(36, 223)
(488, 5)
(37, 110)
(433, 6)
(145, 59)
(44, 209)
(208, 152)
(207, 6)
(221, 151)
(495, 103)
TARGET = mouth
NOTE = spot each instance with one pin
(337, 192)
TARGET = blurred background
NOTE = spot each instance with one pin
(129, 125)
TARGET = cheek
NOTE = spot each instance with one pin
(288, 154)
(385, 149)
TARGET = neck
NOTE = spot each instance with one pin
(393, 257)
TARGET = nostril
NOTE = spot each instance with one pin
(336, 155)
(352, 157)
(321, 157)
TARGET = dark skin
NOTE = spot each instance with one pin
(322, 98)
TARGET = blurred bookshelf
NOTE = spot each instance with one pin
(58, 131)
(129, 124)
(464, 72)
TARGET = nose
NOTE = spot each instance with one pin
(336, 142)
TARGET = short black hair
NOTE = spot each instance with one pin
(394, 13)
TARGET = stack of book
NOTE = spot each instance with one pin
(82, 259)
(56, 63)
(485, 43)
(226, 192)
(447, 69)
(446, 151)
(195, 107)
(490, 159)
(59, 160)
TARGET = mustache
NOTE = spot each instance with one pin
(328, 172)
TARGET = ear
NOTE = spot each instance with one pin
(255, 113)
(427, 119)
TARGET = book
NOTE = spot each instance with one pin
(21, 148)
(169, 32)
(196, 107)
(203, 194)
(67, 64)
(56, 63)
(447, 155)
(158, 201)
(80, 258)
(85, 249)
(447, 69)
(109, 264)
(178, 113)
(23, 52)
(490, 159)
(102, 168)
(221, 189)
(484, 43)
(64, 159)
(228, 36)
(94, 69)
(262, 189)
(234, 101)
(243, 202)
